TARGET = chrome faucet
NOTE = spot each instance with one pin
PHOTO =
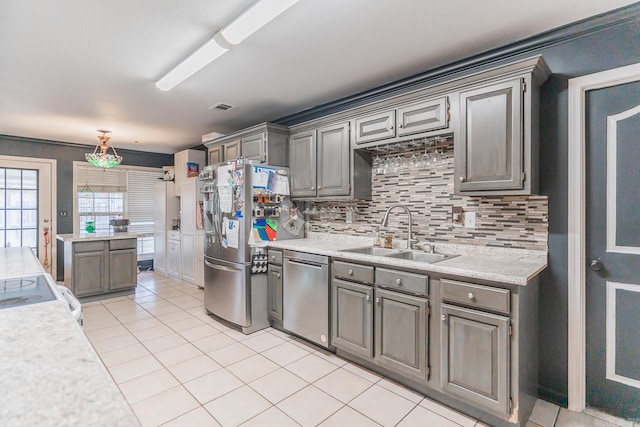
(385, 221)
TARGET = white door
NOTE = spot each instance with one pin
(27, 206)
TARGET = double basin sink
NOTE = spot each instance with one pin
(410, 255)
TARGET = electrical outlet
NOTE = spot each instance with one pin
(470, 220)
(457, 215)
(62, 213)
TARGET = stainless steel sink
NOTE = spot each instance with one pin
(373, 250)
(421, 256)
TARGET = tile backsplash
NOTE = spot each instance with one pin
(501, 221)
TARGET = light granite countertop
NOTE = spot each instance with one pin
(18, 262)
(88, 237)
(504, 265)
(49, 373)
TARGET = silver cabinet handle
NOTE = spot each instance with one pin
(319, 187)
(367, 297)
(462, 179)
(378, 300)
(273, 257)
(313, 188)
(443, 317)
(350, 272)
(399, 281)
(390, 127)
(278, 275)
(400, 125)
(471, 296)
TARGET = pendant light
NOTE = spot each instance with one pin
(100, 158)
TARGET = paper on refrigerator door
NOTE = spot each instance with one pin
(278, 184)
(233, 234)
(225, 194)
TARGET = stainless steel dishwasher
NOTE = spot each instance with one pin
(306, 296)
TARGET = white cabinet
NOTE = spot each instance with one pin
(166, 211)
(200, 258)
(190, 235)
(173, 254)
(181, 159)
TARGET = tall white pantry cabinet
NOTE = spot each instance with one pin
(191, 237)
(167, 206)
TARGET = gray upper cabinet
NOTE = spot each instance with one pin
(302, 158)
(333, 160)
(491, 138)
(475, 357)
(352, 317)
(254, 148)
(375, 127)
(263, 143)
(232, 150)
(401, 333)
(423, 116)
(215, 155)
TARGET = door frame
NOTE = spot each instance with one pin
(576, 223)
(53, 223)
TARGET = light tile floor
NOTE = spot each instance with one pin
(177, 366)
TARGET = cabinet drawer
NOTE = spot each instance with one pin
(410, 282)
(275, 257)
(353, 272)
(478, 296)
(89, 246)
(173, 235)
(123, 244)
(423, 117)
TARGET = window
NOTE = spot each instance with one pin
(123, 192)
(19, 208)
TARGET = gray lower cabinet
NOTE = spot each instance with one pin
(274, 292)
(100, 266)
(89, 268)
(352, 317)
(123, 269)
(475, 357)
(401, 333)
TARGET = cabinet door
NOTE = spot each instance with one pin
(90, 273)
(123, 269)
(200, 258)
(173, 258)
(159, 251)
(254, 148)
(423, 116)
(215, 155)
(491, 138)
(475, 357)
(188, 257)
(376, 127)
(274, 292)
(302, 164)
(401, 333)
(352, 317)
(334, 178)
(232, 150)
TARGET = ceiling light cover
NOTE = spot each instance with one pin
(255, 18)
(191, 65)
(100, 158)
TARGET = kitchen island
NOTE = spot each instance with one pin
(98, 263)
(49, 373)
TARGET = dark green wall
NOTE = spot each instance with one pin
(605, 42)
(65, 155)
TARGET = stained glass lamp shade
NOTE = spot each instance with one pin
(100, 158)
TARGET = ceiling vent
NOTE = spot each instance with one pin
(221, 106)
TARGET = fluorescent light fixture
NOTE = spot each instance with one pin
(254, 18)
(191, 65)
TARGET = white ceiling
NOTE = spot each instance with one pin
(69, 67)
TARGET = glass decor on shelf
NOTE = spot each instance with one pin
(395, 158)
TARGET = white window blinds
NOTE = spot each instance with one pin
(101, 180)
(140, 201)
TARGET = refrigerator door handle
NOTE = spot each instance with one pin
(219, 267)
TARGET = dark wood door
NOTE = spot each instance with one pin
(613, 249)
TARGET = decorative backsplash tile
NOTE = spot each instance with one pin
(501, 221)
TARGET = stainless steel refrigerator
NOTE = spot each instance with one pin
(245, 205)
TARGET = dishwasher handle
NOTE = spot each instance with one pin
(304, 263)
